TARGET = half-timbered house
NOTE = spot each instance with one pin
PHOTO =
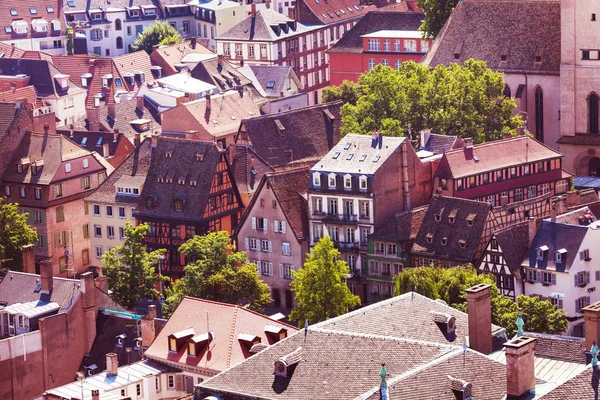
(189, 190)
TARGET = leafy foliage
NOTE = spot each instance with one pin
(14, 234)
(450, 284)
(464, 100)
(158, 33)
(131, 270)
(217, 273)
(70, 41)
(320, 285)
(436, 13)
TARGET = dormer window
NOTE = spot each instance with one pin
(332, 181)
(169, 154)
(451, 220)
(151, 201)
(429, 238)
(444, 241)
(178, 339)
(20, 168)
(347, 182)
(541, 252)
(178, 205)
(34, 170)
(560, 256)
(316, 179)
(68, 167)
(438, 217)
(462, 243)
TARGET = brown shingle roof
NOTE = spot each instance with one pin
(498, 154)
(487, 30)
(7, 115)
(402, 226)
(332, 11)
(125, 112)
(225, 76)
(560, 348)
(10, 51)
(244, 161)
(226, 321)
(308, 134)
(583, 386)
(514, 242)
(373, 21)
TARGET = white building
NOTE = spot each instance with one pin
(215, 17)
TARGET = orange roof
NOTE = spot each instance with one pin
(37, 55)
(133, 62)
(27, 92)
(168, 56)
(226, 321)
(11, 51)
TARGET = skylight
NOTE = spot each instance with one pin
(50, 9)
(270, 84)
(363, 157)
(7, 29)
(99, 142)
(349, 156)
(336, 155)
(356, 7)
(33, 10)
(347, 146)
(71, 3)
(376, 158)
(84, 141)
(324, 16)
(13, 12)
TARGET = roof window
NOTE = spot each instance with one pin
(377, 158)
(349, 156)
(71, 3)
(13, 12)
(336, 155)
(347, 146)
(363, 157)
(33, 10)
(50, 9)
(270, 84)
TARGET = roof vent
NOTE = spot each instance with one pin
(445, 321)
(462, 389)
(285, 366)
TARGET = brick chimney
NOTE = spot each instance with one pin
(553, 207)
(252, 9)
(220, 60)
(95, 394)
(479, 306)
(468, 149)
(111, 108)
(88, 290)
(28, 255)
(137, 139)
(115, 134)
(532, 228)
(46, 275)
(148, 332)
(105, 150)
(208, 102)
(193, 42)
(520, 367)
(112, 364)
(140, 102)
(573, 198)
(591, 316)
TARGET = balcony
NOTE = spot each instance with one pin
(339, 217)
(347, 245)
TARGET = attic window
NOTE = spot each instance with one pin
(33, 10)
(8, 29)
(50, 9)
(462, 243)
(199, 157)
(68, 167)
(168, 154)
(376, 159)
(540, 251)
(471, 219)
(270, 84)
(538, 59)
(283, 366)
(336, 155)
(71, 3)
(178, 205)
(349, 156)
(193, 183)
(177, 339)
(347, 146)
(13, 12)
(444, 241)
(151, 201)
(438, 217)
(503, 57)
(363, 158)
(560, 255)
(429, 238)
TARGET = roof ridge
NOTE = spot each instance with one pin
(296, 110)
(288, 171)
(383, 337)
(231, 337)
(38, 275)
(481, 203)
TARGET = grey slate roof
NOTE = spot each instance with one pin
(439, 144)
(277, 74)
(514, 242)
(488, 29)
(224, 77)
(19, 287)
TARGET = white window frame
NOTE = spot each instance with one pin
(99, 251)
(332, 181)
(286, 249)
(316, 179)
(347, 181)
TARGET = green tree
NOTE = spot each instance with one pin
(464, 100)
(450, 284)
(131, 270)
(348, 92)
(217, 273)
(436, 13)
(320, 285)
(69, 41)
(14, 234)
(159, 33)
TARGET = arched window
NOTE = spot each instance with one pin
(593, 113)
(506, 90)
(119, 42)
(118, 26)
(539, 114)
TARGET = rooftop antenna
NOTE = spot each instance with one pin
(305, 328)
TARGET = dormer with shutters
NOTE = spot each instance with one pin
(177, 340)
(196, 344)
(275, 333)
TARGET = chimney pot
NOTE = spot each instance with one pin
(479, 308)
(468, 149)
(253, 9)
(95, 394)
(520, 367)
(112, 364)
(46, 275)
(28, 255)
(193, 42)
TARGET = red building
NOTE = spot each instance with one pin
(387, 36)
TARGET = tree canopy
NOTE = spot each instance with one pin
(320, 285)
(436, 13)
(131, 270)
(159, 33)
(450, 284)
(217, 272)
(14, 234)
(464, 100)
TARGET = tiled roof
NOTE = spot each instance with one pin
(273, 78)
(555, 236)
(94, 141)
(514, 242)
(131, 63)
(333, 365)
(27, 92)
(401, 227)
(332, 11)
(75, 66)
(308, 134)
(224, 76)
(243, 162)
(373, 21)
(488, 30)
(560, 348)
(136, 164)
(406, 317)
(41, 73)
(448, 218)
(439, 144)
(169, 55)
(498, 154)
(19, 287)
(80, 5)
(53, 150)
(125, 112)
(10, 51)
(265, 25)
(190, 160)
(582, 139)
(48, 10)
(225, 321)
(580, 216)
(583, 386)
(7, 115)
(37, 55)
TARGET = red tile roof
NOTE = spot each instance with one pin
(27, 92)
(23, 13)
(498, 154)
(168, 56)
(37, 55)
(333, 11)
(132, 62)
(225, 321)
(10, 51)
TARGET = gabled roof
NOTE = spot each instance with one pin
(19, 287)
(514, 243)
(10, 50)
(308, 134)
(373, 21)
(356, 154)
(583, 386)
(401, 227)
(555, 237)
(224, 75)
(191, 160)
(446, 232)
(498, 154)
(94, 141)
(48, 10)
(37, 55)
(332, 11)
(24, 93)
(488, 30)
(273, 78)
(439, 144)
(244, 162)
(169, 55)
(127, 111)
(225, 321)
(260, 27)
(134, 62)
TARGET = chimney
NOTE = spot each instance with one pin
(137, 139)
(268, 3)
(193, 42)
(105, 150)
(46, 275)
(71, 130)
(479, 307)
(503, 200)
(591, 317)
(28, 256)
(532, 227)
(88, 291)
(112, 364)
(111, 110)
(553, 207)
(425, 133)
(520, 368)
(252, 9)
(95, 394)
(154, 140)
(140, 102)
(115, 134)
(468, 149)
(148, 332)
(208, 102)
(220, 60)
(46, 129)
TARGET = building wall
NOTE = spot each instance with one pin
(54, 45)
(16, 378)
(69, 114)
(263, 208)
